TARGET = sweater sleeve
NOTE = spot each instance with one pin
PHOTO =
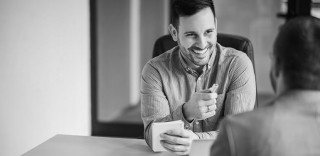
(154, 104)
(241, 95)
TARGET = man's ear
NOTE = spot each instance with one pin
(173, 31)
(274, 74)
(278, 66)
(277, 76)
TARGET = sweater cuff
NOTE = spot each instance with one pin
(178, 115)
(207, 135)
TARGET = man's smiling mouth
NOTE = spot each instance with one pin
(198, 51)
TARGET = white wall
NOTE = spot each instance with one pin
(119, 62)
(45, 72)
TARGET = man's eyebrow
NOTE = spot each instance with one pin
(211, 29)
(190, 32)
(193, 32)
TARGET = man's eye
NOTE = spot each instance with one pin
(190, 35)
(209, 31)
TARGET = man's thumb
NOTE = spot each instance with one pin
(205, 91)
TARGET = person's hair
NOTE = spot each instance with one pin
(297, 51)
(185, 8)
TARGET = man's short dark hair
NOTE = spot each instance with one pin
(297, 50)
(184, 8)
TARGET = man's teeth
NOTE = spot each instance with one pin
(200, 51)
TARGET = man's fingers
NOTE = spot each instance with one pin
(174, 132)
(174, 148)
(207, 96)
(175, 138)
(209, 111)
(205, 91)
(211, 107)
(208, 102)
(178, 132)
(210, 114)
(177, 141)
(169, 142)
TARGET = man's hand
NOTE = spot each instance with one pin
(201, 105)
(178, 141)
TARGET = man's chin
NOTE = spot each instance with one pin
(200, 63)
(201, 60)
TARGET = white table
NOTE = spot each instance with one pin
(68, 145)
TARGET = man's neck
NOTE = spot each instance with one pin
(193, 66)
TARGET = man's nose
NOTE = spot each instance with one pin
(202, 42)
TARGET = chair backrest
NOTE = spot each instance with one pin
(240, 43)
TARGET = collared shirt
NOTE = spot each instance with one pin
(167, 83)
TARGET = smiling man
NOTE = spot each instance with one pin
(175, 85)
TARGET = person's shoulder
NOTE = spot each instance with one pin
(256, 119)
(166, 56)
(161, 62)
(231, 52)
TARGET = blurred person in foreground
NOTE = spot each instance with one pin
(175, 85)
(290, 124)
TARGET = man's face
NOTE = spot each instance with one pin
(197, 36)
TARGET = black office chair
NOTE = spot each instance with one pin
(240, 43)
